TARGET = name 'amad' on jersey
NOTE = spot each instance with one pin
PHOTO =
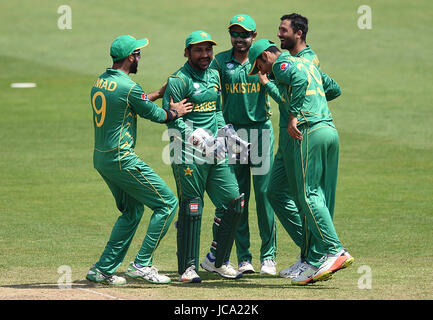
(105, 84)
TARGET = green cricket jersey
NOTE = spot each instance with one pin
(273, 89)
(276, 91)
(244, 101)
(279, 90)
(305, 90)
(309, 54)
(116, 102)
(203, 89)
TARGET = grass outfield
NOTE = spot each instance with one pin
(55, 209)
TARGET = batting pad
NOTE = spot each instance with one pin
(226, 230)
(188, 233)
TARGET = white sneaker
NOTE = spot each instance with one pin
(246, 267)
(293, 270)
(268, 267)
(333, 263)
(97, 276)
(149, 274)
(226, 270)
(190, 276)
(306, 275)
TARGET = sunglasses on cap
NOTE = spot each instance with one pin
(137, 52)
(243, 35)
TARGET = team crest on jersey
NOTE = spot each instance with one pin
(284, 66)
(230, 65)
(196, 87)
(144, 97)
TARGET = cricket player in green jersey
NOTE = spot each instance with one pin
(199, 162)
(116, 102)
(245, 104)
(315, 152)
(292, 33)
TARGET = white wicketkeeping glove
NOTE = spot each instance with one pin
(236, 147)
(220, 148)
(210, 146)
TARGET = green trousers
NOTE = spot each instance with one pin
(316, 168)
(134, 187)
(218, 180)
(258, 169)
(282, 190)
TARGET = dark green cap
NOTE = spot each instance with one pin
(198, 36)
(124, 45)
(244, 21)
(255, 51)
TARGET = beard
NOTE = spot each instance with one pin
(288, 43)
(133, 67)
(201, 64)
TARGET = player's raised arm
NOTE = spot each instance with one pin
(271, 88)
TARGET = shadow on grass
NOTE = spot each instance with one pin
(250, 281)
(83, 284)
(209, 281)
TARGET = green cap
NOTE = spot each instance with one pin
(255, 51)
(243, 20)
(198, 36)
(124, 45)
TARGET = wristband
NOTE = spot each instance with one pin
(170, 115)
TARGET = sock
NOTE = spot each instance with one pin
(211, 257)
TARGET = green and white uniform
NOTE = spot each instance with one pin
(193, 174)
(315, 157)
(245, 105)
(117, 101)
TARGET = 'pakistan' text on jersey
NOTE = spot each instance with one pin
(244, 101)
(203, 89)
(116, 102)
